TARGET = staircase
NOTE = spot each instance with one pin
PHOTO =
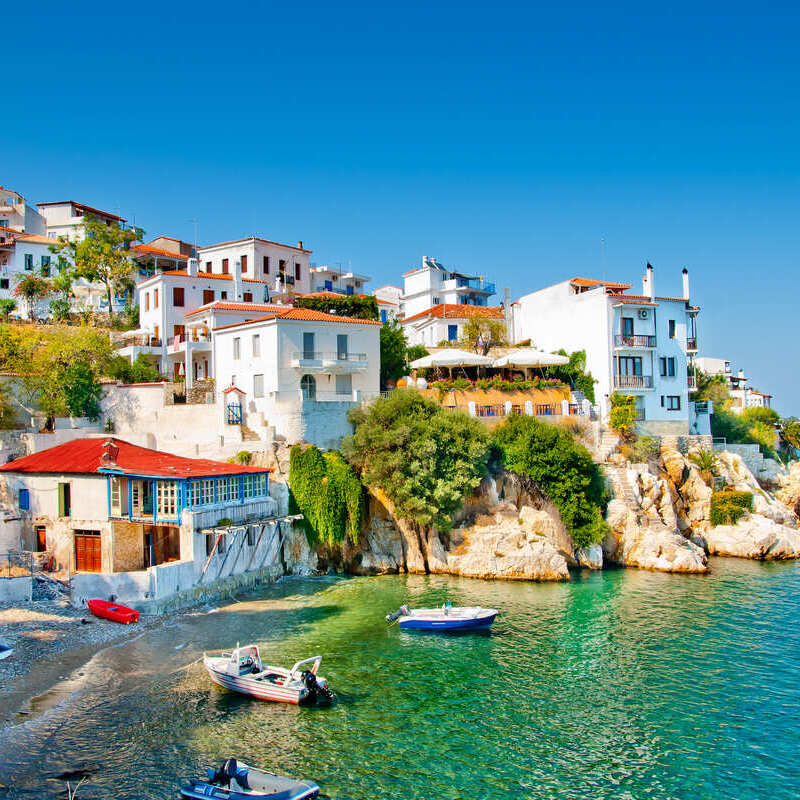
(608, 444)
(249, 435)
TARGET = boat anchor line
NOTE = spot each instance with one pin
(241, 528)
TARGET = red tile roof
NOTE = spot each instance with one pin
(638, 299)
(302, 315)
(85, 457)
(202, 276)
(146, 249)
(224, 305)
(457, 311)
(35, 238)
(593, 282)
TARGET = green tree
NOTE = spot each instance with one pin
(622, 416)
(574, 374)
(82, 391)
(561, 469)
(140, 371)
(713, 388)
(102, 256)
(790, 432)
(8, 414)
(415, 351)
(768, 416)
(482, 333)
(7, 305)
(425, 459)
(32, 289)
(358, 306)
(393, 352)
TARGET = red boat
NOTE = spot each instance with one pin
(113, 611)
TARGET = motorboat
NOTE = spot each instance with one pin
(113, 611)
(448, 618)
(237, 781)
(242, 671)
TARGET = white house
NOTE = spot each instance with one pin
(284, 267)
(299, 371)
(23, 254)
(742, 396)
(641, 345)
(388, 298)
(433, 283)
(341, 281)
(18, 215)
(68, 219)
(444, 322)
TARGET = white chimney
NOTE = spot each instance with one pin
(685, 283)
(651, 287)
(300, 244)
(645, 292)
(192, 266)
(237, 280)
(741, 374)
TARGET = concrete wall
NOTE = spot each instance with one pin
(16, 590)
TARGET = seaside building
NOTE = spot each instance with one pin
(444, 322)
(642, 345)
(388, 298)
(432, 284)
(130, 523)
(742, 396)
(18, 215)
(23, 254)
(68, 219)
(162, 254)
(340, 281)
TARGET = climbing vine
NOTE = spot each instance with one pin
(328, 493)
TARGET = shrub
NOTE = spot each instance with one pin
(328, 493)
(729, 506)
(705, 460)
(643, 449)
(766, 415)
(416, 351)
(574, 374)
(244, 457)
(393, 352)
(425, 459)
(141, 371)
(7, 305)
(562, 469)
(60, 308)
(358, 306)
(622, 416)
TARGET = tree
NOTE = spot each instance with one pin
(82, 391)
(622, 416)
(102, 256)
(574, 374)
(140, 371)
(393, 352)
(8, 414)
(482, 333)
(713, 388)
(415, 351)
(561, 469)
(358, 306)
(425, 459)
(790, 433)
(7, 305)
(32, 289)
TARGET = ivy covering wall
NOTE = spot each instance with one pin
(328, 493)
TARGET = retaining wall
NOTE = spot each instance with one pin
(16, 590)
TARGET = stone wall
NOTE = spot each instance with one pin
(128, 546)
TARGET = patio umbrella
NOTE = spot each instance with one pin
(451, 358)
(528, 357)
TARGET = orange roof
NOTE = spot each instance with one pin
(302, 315)
(676, 299)
(638, 299)
(255, 239)
(35, 238)
(224, 305)
(84, 207)
(157, 251)
(593, 282)
(203, 276)
(458, 311)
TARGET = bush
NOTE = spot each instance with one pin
(562, 469)
(60, 308)
(244, 457)
(745, 428)
(393, 352)
(328, 493)
(729, 506)
(622, 416)
(643, 449)
(416, 351)
(141, 371)
(358, 306)
(705, 460)
(574, 374)
(7, 305)
(425, 459)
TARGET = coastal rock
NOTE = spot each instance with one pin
(754, 536)
(788, 491)
(590, 557)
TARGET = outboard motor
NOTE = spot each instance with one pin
(403, 611)
(222, 777)
(317, 692)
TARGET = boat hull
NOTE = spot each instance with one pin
(113, 611)
(261, 690)
(438, 620)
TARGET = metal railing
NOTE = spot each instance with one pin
(691, 343)
(691, 382)
(318, 355)
(639, 416)
(16, 565)
(625, 340)
(633, 381)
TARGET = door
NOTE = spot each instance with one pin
(308, 386)
(308, 346)
(341, 347)
(208, 296)
(87, 551)
(627, 326)
(41, 538)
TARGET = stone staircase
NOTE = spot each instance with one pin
(619, 480)
(607, 444)
(249, 435)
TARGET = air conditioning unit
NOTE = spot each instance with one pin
(643, 313)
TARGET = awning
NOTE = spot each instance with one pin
(528, 357)
(451, 358)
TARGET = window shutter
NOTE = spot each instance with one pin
(61, 500)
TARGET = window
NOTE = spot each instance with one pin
(208, 266)
(209, 543)
(224, 266)
(28, 261)
(24, 500)
(341, 347)
(452, 333)
(4, 283)
(297, 272)
(673, 402)
(147, 301)
(155, 298)
(177, 296)
(223, 295)
(629, 365)
(256, 345)
(87, 551)
(167, 498)
(236, 347)
(227, 490)
(308, 346)
(64, 500)
(141, 498)
(672, 329)
(383, 315)
(247, 297)
(202, 493)
(627, 326)
(344, 384)
(258, 385)
(254, 486)
(45, 262)
(208, 296)
(244, 264)
(116, 497)
(308, 387)
(667, 367)
(251, 535)
(266, 265)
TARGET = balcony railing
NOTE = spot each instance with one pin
(633, 381)
(639, 415)
(691, 343)
(691, 381)
(625, 340)
(476, 284)
(316, 355)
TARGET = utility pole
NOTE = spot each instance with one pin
(603, 254)
(507, 314)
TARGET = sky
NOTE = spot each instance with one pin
(509, 140)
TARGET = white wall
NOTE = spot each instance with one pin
(12, 268)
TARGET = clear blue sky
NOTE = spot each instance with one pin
(507, 139)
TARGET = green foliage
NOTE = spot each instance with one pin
(562, 469)
(141, 371)
(244, 457)
(416, 351)
(59, 308)
(482, 333)
(728, 506)
(393, 352)
(713, 388)
(767, 416)
(32, 289)
(574, 374)
(82, 391)
(643, 449)
(705, 459)
(790, 433)
(7, 305)
(496, 383)
(8, 414)
(622, 416)
(358, 306)
(736, 429)
(425, 459)
(328, 493)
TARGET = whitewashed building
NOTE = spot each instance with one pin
(68, 219)
(641, 345)
(338, 280)
(433, 283)
(388, 298)
(18, 215)
(444, 323)
(23, 254)
(742, 395)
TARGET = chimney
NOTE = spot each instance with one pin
(110, 453)
(237, 280)
(299, 244)
(741, 374)
(685, 283)
(645, 292)
(192, 267)
(651, 288)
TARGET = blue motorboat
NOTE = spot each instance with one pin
(448, 618)
(236, 781)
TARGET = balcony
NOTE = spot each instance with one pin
(470, 284)
(316, 361)
(625, 340)
(691, 344)
(633, 381)
(691, 382)
(201, 340)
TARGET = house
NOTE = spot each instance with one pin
(341, 281)
(18, 215)
(284, 267)
(742, 396)
(444, 322)
(162, 254)
(133, 523)
(68, 219)
(642, 345)
(23, 254)
(388, 298)
(299, 371)
(432, 283)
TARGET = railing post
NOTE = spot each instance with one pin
(565, 408)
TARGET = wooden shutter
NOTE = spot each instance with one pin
(87, 551)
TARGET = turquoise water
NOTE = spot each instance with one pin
(622, 684)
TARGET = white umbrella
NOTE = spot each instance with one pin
(451, 358)
(528, 357)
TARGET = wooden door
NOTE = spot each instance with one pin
(41, 539)
(208, 296)
(87, 551)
